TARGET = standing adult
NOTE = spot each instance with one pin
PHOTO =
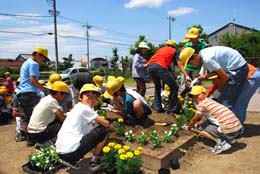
(228, 64)
(27, 89)
(158, 67)
(139, 72)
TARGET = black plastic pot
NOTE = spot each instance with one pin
(28, 168)
(174, 163)
(164, 171)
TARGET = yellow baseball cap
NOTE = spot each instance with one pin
(113, 86)
(43, 51)
(196, 90)
(53, 78)
(98, 80)
(171, 42)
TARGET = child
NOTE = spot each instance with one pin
(128, 101)
(47, 116)
(83, 129)
(221, 125)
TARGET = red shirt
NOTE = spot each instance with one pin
(163, 57)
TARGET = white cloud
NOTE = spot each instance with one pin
(181, 11)
(144, 3)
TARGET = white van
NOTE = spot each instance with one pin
(71, 73)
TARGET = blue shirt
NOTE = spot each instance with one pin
(28, 69)
(128, 106)
(220, 57)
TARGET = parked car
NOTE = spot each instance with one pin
(72, 73)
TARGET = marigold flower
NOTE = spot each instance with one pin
(118, 146)
(137, 152)
(123, 157)
(121, 151)
(139, 148)
(120, 120)
(126, 147)
(190, 102)
(111, 144)
(106, 149)
(102, 117)
(130, 154)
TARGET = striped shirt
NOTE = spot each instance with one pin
(219, 115)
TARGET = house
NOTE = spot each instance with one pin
(230, 28)
(11, 63)
(23, 57)
(99, 62)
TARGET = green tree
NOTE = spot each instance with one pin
(67, 62)
(247, 44)
(114, 59)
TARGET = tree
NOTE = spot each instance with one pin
(114, 59)
(247, 44)
(67, 62)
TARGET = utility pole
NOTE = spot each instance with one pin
(87, 34)
(54, 12)
(170, 18)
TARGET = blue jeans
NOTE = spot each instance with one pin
(158, 74)
(233, 87)
(248, 91)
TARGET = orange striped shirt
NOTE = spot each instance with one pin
(226, 119)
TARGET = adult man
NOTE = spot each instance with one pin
(27, 89)
(228, 64)
(47, 116)
(158, 67)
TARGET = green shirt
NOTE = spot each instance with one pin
(197, 47)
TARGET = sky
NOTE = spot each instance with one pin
(25, 24)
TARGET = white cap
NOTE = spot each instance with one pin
(143, 45)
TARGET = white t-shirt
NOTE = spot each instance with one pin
(218, 57)
(43, 114)
(79, 122)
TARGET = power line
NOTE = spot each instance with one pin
(23, 15)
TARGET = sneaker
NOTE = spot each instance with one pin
(47, 143)
(220, 147)
(20, 136)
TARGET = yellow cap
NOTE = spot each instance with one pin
(111, 78)
(3, 90)
(121, 79)
(41, 82)
(42, 50)
(89, 87)
(171, 42)
(113, 86)
(7, 73)
(193, 33)
(186, 39)
(196, 90)
(106, 95)
(53, 78)
(186, 54)
(60, 86)
(98, 80)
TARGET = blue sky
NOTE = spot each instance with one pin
(115, 23)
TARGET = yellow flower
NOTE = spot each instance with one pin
(130, 154)
(121, 151)
(126, 147)
(120, 120)
(137, 152)
(106, 149)
(111, 144)
(103, 117)
(118, 146)
(123, 157)
(190, 102)
(139, 148)
(191, 109)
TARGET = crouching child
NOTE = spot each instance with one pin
(83, 129)
(215, 120)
